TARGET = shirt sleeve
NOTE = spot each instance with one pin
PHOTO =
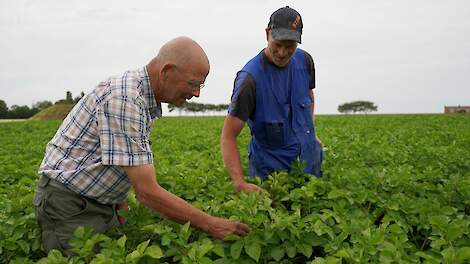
(243, 101)
(123, 130)
(311, 70)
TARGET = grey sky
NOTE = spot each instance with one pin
(406, 56)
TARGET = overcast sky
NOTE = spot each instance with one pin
(407, 56)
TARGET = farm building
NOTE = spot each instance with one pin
(457, 109)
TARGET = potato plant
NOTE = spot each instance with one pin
(396, 189)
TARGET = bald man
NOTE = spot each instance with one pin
(102, 149)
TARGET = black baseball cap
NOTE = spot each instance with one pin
(286, 24)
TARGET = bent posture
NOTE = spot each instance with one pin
(102, 149)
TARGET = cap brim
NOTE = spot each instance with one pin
(286, 34)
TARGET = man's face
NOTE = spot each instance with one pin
(186, 84)
(280, 51)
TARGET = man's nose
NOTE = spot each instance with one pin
(197, 92)
(282, 52)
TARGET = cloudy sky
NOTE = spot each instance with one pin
(407, 56)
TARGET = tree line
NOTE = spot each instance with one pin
(24, 111)
(198, 107)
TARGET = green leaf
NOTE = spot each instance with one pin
(306, 250)
(236, 249)
(277, 253)
(463, 254)
(336, 193)
(192, 253)
(166, 240)
(219, 250)
(185, 228)
(122, 241)
(54, 256)
(291, 251)
(133, 257)
(24, 246)
(154, 251)
(253, 250)
(231, 238)
(79, 232)
(205, 260)
(431, 256)
(142, 246)
(448, 254)
(205, 247)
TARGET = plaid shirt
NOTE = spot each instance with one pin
(108, 128)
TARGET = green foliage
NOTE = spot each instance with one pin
(42, 105)
(198, 107)
(396, 189)
(357, 106)
(3, 109)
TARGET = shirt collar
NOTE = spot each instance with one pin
(146, 91)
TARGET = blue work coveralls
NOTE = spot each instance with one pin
(282, 130)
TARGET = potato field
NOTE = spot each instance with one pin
(396, 189)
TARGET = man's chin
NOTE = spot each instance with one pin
(281, 64)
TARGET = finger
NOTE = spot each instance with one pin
(254, 188)
(242, 229)
(259, 189)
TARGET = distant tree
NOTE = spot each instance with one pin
(3, 110)
(23, 111)
(76, 99)
(357, 106)
(197, 107)
(222, 107)
(68, 97)
(42, 105)
(345, 108)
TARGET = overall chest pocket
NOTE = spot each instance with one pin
(275, 133)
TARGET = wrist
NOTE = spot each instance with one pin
(205, 227)
(239, 182)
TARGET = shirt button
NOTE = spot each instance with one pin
(308, 131)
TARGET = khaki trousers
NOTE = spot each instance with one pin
(59, 211)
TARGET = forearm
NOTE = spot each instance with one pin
(231, 157)
(175, 208)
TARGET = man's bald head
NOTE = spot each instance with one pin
(178, 70)
(184, 53)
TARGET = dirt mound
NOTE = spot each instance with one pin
(54, 112)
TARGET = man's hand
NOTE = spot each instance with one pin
(220, 228)
(247, 187)
(122, 206)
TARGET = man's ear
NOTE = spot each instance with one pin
(166, 69)
(267, 34)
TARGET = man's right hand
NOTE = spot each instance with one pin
(220, 228)
(247, 187)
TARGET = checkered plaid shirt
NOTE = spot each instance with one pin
(108, 128)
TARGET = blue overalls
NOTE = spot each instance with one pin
(283, 130)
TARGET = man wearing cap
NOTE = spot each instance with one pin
(102, 149)
(274, 94)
